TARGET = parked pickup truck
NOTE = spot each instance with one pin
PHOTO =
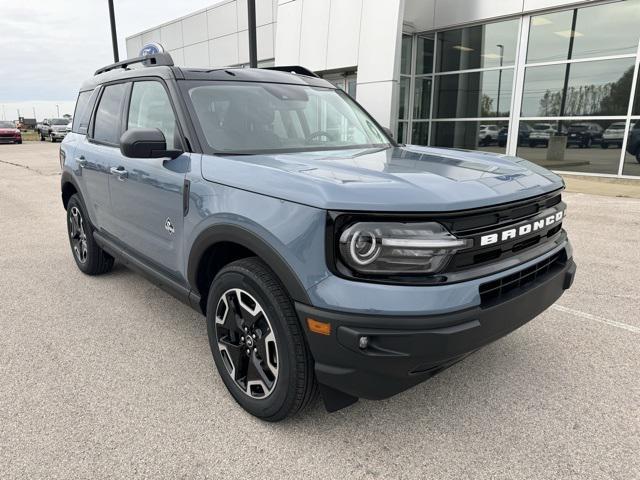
(325, 256)
(53, 129)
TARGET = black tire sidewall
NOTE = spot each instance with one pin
(281, 397)
(93, 251)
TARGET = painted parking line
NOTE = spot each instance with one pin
(613, 323)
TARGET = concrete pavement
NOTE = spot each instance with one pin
(110, 377)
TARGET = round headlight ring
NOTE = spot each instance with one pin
(368, 256)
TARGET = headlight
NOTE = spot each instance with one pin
(392, 248)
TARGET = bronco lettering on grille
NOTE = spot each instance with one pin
(521, 230)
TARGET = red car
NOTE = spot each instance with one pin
(9, 133)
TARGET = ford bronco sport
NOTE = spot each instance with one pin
(325, 256)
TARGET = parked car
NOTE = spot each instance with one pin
(633, 142)
(487, 135)
(584, 135)
(53, 129)
(614, 135)
(332, 261)
(524, 130)
(9, 133)
(541, 133)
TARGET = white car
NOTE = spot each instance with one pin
(614, 135)
(541, 134)
(488, 134)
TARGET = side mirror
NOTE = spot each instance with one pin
(388, 131)
(146, 143)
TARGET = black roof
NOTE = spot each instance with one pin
(164, 69)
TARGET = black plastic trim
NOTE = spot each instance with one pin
(241, 236)
(165, 282)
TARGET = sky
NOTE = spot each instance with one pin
(49, 47)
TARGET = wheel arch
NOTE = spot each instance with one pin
(221, 244)
(69, 187)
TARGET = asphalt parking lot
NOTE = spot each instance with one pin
(110, 377)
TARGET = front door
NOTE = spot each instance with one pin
(146, 193)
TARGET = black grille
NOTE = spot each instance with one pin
(495, 291)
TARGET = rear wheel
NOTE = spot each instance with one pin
(89, 257)
(257, 343)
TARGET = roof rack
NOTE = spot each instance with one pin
(157, 59)
(296, 69)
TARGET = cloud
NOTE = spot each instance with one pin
(50, 47)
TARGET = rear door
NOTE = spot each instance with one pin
(146, 193)
(99, 150)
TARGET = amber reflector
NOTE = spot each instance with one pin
(322, 328)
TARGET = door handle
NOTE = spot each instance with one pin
(120, 172)
(81, 161)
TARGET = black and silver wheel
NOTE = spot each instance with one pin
(246, 343)
(41, 136)
(52, 139)
(89, 257)
(257, 343)
(77, 235)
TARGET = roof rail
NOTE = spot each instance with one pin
(296, 69)
(157, 59)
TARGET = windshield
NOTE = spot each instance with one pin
(58, 121)
(7, 124)
(243, 117)
(616, 126)
(542, 126)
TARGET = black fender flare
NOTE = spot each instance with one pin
(67, 177)
(248, 239)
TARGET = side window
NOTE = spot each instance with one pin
(150, 108)
(107, 119)
(82, 112)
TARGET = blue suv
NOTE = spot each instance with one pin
(326, 257)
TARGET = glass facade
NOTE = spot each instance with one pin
(558, 88)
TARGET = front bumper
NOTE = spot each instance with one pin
(55, 134)
(404, 351)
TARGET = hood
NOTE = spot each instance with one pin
(395, 179)
(9, 130)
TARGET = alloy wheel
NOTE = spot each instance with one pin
(247, 343)
(77, 234)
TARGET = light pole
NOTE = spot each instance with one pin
(501, 47)
(114, 37)
(4, 117)
(58, 110)
(251, 21)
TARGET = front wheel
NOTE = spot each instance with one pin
(42, 136)
(257, 342)
(52, 139)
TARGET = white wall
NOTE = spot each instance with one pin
(216, 36)
(327, 35)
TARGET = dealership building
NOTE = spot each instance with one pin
(552, 81)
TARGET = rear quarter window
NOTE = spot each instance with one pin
(82, 113)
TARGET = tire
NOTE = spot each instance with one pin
(604, 145)
(41, 136)
(638, 157)
(19, 142)
(51, 138)
(532, 144)
(271, 386)
(502, 144)
(89, 257)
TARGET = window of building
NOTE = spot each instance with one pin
(578, 100)
(594, 31)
